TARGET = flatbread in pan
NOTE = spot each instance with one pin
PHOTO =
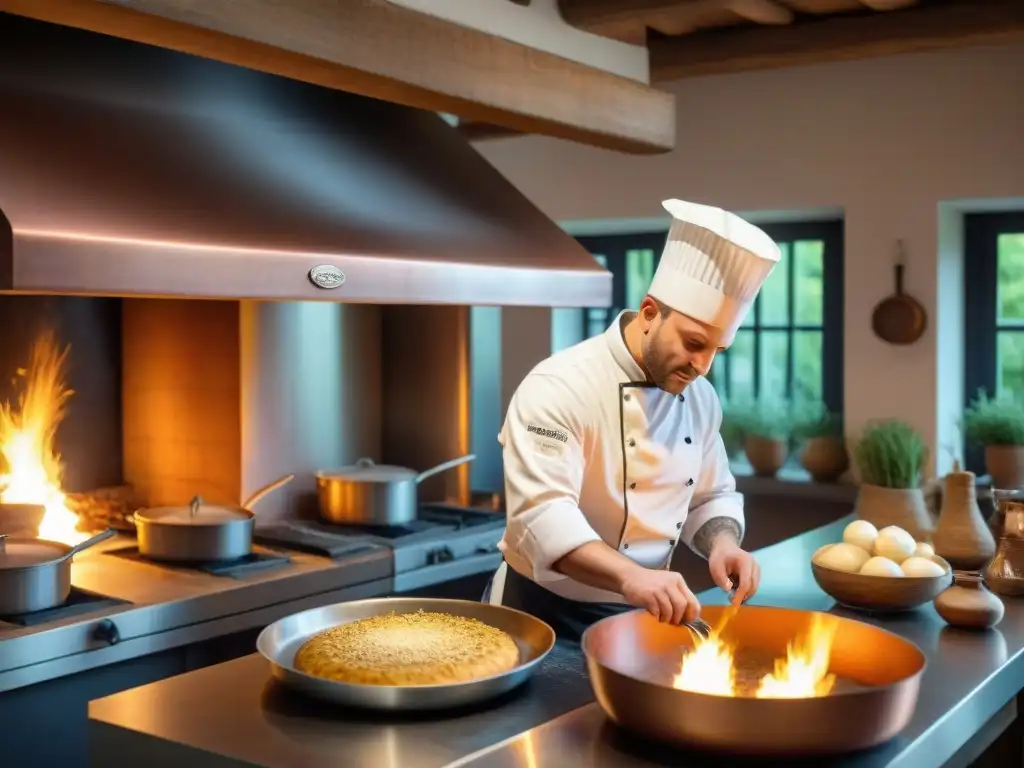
(421, 648)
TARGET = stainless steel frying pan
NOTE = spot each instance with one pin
(281, 640)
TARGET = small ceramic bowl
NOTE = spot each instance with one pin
(883, 594)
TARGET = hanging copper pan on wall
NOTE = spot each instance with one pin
(900, 318)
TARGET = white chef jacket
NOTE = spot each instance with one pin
(593, 452)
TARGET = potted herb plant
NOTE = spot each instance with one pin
(766, 434)
(890, 458)
(997, 424)
(823, 453)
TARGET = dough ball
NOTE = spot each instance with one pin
(842, 557)
(921, 568)
(861, 534)
(924, 549)
(894, 544)
(881, 566)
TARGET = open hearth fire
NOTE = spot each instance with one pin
(31, 468)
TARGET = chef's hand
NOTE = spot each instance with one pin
(663, 593)
(732, 568)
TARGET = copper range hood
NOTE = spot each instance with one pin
(129, 170)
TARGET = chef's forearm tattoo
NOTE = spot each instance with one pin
(705, 537)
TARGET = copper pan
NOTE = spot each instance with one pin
(900, 318)
(632, 658)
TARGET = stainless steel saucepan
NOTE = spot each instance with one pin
(35, 574)
(632, 660)
(374, 494)
(200, 532)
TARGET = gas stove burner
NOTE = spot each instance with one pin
(389, 532)
(460, 517)
(79, 602)
(302, 537)
(255, 562)
(434, 520)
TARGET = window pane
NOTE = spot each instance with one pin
(1010, 288)
(808, 281)
(748, 320)
(773, 361)
(807, 366)
(639, 273)
(719, 374)
(774, 296)
(597, 317)
(741, 367)
(597, 321)
(1010, 363)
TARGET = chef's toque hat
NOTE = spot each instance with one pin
(713, 265)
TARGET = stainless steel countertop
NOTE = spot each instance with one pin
(234, 714)
(169, 607)
(970, 677)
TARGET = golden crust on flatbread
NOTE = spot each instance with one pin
(408, 649)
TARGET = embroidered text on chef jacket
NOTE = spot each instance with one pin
(592, 452)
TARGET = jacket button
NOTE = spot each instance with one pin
(626, 398)
(682, 398)
(689, 482)
(632, 443)
(632, 486)
(625, 546)
(678, 526)
(687, 440)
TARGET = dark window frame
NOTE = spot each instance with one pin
(981, 233)
(829, 231)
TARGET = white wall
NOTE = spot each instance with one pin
(891, 142)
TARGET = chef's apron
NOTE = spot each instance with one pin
(569, 618)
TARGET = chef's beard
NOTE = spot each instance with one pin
(661, 374)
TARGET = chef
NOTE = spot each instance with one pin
(611, 448)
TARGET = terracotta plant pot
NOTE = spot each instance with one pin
(1005, 465)
(765, 455)
(903, 507)
(825, 458)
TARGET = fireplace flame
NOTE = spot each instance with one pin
(32, 468)
(710, 667)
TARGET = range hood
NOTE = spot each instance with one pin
(130, 170)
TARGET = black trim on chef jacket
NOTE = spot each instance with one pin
(626, 486)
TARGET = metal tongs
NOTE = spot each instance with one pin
(699, 627)
(193, 506)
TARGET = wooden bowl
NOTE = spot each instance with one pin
(881, 593)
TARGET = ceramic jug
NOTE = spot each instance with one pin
(961, 537)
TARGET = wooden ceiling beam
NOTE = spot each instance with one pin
(838, 38)
(594, 14)
(761, 11)
(888, 5)
(381, 50)
(631, 18)
(484, 132)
